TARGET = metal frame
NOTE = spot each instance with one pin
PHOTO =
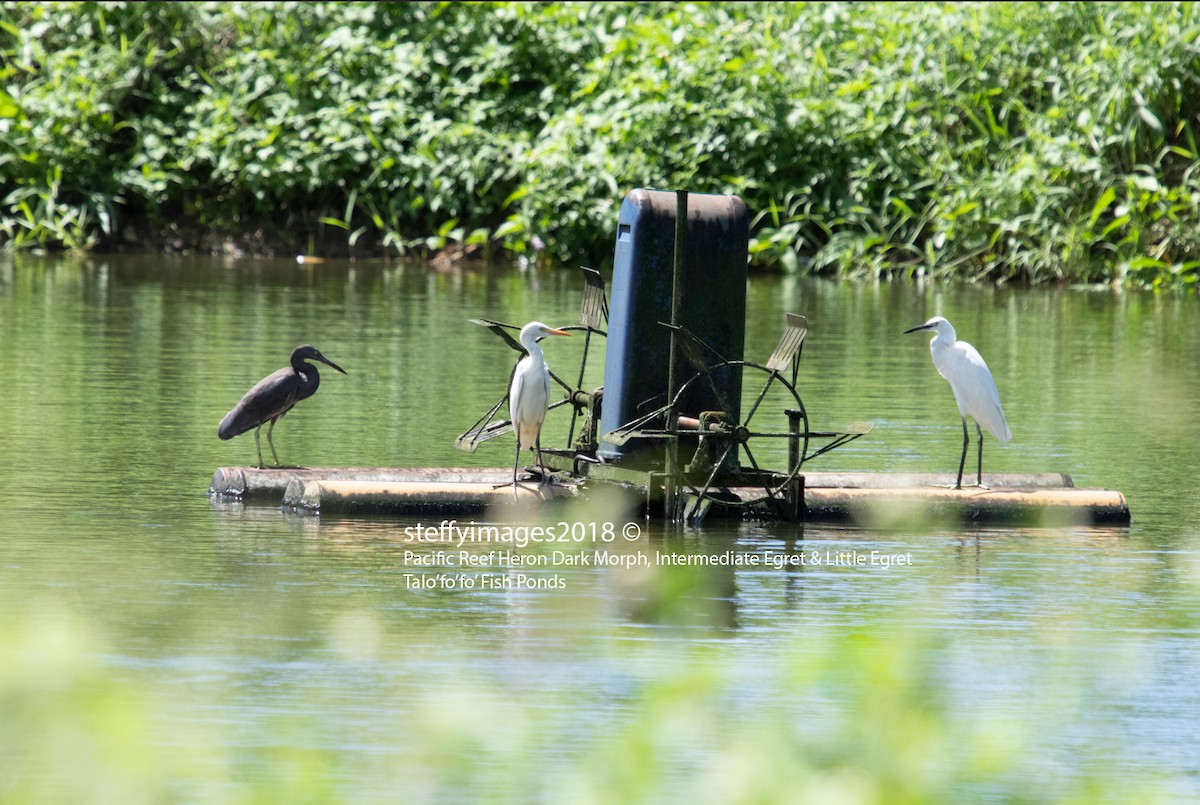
(782, 492)
(593, 317)
(705, 482)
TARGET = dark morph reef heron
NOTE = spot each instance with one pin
(274, 396)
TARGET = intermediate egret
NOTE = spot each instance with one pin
(274, 396)
(529, 395)
(972, 384)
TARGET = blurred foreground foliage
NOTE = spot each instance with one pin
(999, 141)
(849, 716)
(640, 682)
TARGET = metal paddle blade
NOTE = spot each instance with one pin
(470, 440)
(484, 429)
(789, 343)
(838, 438)
(593, 309)
(637, 428)
(698, 355)
(695, 350)
(501, 329)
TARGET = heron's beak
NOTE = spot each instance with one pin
(552, 331)
(328, 362)
(917, 329)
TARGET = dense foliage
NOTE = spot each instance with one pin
(1004, 141)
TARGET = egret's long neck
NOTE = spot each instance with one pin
(535, 351)
(944, 338)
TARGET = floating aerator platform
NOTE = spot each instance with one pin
(685, 422)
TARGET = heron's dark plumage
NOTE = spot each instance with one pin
(276, 394)
(271, 398)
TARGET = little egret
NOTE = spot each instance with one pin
(274, 396)
(972, 384)
(529, 395)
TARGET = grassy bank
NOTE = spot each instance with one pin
(1008, 141)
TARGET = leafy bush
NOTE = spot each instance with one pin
(1001, 141)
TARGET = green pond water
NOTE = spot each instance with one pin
(157, 645)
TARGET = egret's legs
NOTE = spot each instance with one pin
(962, 461)
(537, 442)
(979, 466)
(516, 463)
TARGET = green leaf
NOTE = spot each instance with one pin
(1106, 198)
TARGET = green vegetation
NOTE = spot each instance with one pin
(1005, 141)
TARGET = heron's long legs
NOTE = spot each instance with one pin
(270, 443)
(258, 447)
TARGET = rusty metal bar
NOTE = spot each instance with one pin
(691, 423)
(672, 456)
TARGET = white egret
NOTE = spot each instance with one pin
(972, 384)
(529, 395)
